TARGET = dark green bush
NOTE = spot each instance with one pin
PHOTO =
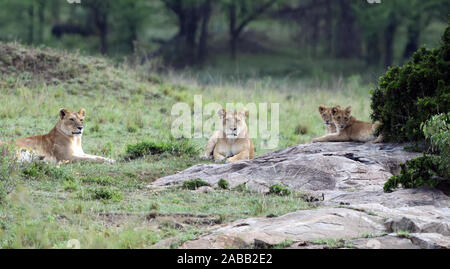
(105, 194)
(223, 184)
(194, 184)
(279, 190)
(173, 147)
(422, 171)
(427, 170)
(409, 95)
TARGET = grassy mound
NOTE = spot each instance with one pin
(47, 65)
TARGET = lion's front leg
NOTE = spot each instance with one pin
(210, 147)
(379, 139)
(92, 158)
(243, 155)
(331, 138)
(218, 157)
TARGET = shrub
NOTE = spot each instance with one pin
(410, 94)
(427, 170)
(422, 171)
(223, 184)
(102, 193)
(173, 147)
(194, 184)
(42, 170)
(437, 130)
(279, 190)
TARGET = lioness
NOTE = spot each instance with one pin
(63, 142)
(232, 140)
(349, 128)
(325, 113)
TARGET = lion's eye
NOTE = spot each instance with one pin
(338, 118)
(72, 119)
(346, 118)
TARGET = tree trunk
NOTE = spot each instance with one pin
(41, 8)
(349, 41)
(203, 46)
(329, 28)
(389, 42)
(101, 21)
(413, 40)
(31, 23)
(232, 31)
(373, 50)
(315, 34)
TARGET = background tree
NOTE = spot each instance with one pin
(184, 33)
(240, 14)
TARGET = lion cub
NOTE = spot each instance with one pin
(231, 141)
(349, 128)
(63, 142)
(325, 113)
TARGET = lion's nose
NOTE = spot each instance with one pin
(234, 129)
(80, 128)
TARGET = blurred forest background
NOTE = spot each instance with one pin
(279, 38)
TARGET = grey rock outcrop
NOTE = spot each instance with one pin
(350, 176)
(330, 168)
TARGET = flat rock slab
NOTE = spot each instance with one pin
(424, 227)
(305, 225)
(389, 241)
(431, 240)
(329, 168)
(355, 209)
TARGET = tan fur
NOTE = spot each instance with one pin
(232, 141)
(63, 142)
(325, 113)
(349, 128)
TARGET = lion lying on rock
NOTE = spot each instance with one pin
(62, 143)
(349, 128)
(232, 141)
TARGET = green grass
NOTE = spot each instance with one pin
(334, 243)
(44, 213)
(129, 114)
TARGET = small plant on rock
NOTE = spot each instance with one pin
(223, 184)
(194, 184)
(279, 190)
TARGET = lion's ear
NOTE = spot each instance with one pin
(322, 109)
(335, 109)
(82, 113)
(221, 113)
(244, 112)
(338, 106)
(348, 109)
(63, 112)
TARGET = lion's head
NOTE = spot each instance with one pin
(325, 113)
(233, 123)
(341, 117)
(71, 123)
